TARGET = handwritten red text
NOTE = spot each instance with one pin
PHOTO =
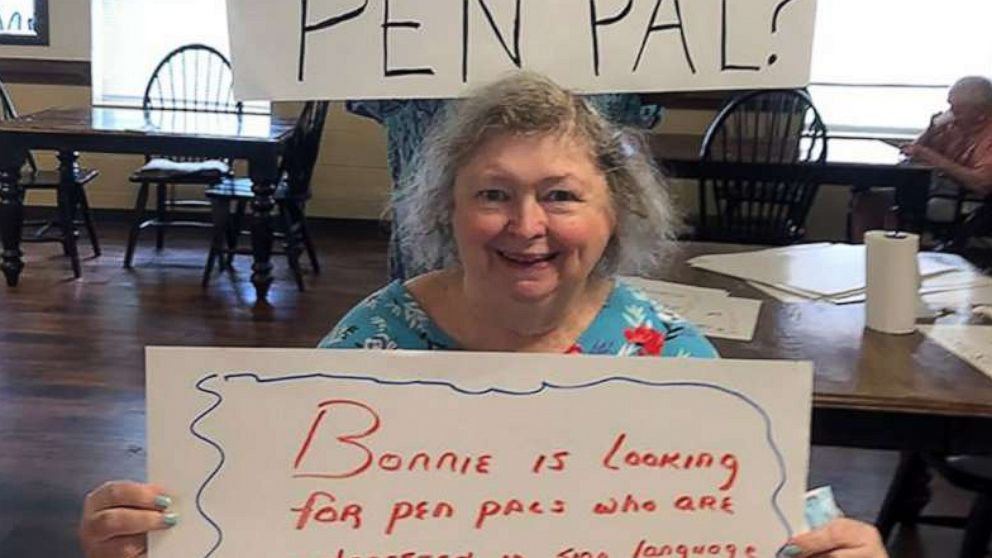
(513, 507)
(721, 550)
(348, 514)
(365, 457)
(419, 511)
(619, 457)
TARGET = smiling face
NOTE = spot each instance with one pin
(532, 216)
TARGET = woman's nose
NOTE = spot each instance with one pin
(528, 219)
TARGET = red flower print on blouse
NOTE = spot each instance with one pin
(575, 349)
(650, 340)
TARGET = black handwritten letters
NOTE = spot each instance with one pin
(596, 23)
(513, 53)
(654, 27)
(724, 65)
(307, 28)
(388, 24)
(458, 42)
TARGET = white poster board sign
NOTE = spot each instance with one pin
(340, 49)
(360, 454)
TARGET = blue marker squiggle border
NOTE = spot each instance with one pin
(769, 437)
(220, 463)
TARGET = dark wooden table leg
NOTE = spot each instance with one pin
(11, 221)
(264, 173)
(67, 207)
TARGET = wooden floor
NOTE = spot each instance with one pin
(71, 373)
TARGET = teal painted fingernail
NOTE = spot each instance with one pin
(170, 519)
(162, 502)
(790, 551)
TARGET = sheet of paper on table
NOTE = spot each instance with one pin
(713, 311)
(953, 288)
(972, 343)
(964, 297)
(814, 271)
(349, 453)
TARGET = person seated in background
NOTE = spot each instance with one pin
(524, 205)
(958, 143)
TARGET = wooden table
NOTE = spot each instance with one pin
(871, 390)
(851, 162)
(258, 139)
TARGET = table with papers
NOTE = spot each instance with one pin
(903, 392)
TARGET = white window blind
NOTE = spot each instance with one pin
(130, 38)
(882, 67)
(17, 17)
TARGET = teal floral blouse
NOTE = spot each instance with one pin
(629, 324)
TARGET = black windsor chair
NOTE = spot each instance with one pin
(758, 168)
(70, 203)
(291, 196)
(191, 80)
(909, 493)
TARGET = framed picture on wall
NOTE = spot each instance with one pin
(24, 22)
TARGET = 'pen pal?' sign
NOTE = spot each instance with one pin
(376, 454)
(339, 49)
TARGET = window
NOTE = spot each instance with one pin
(24, 22)
(130, 38)
(882, 67)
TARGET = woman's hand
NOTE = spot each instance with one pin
(922, 154)
(911, 149)
(841, 538)
(118, 514)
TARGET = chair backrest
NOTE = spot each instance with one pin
(778, 127)
(303, 147)
(193, 78)
(8, 112)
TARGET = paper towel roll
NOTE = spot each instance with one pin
(893, 281)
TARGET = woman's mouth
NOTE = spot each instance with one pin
(526, 260)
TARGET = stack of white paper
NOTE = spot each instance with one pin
(713, 311)
(835, 272)
(971, 343)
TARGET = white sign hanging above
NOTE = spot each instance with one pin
(350, 49)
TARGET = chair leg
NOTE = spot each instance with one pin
(978, 530)
(66, 203)
(234, 233)
(139, 214)
(311, 251)
(293, 248)
(908, 493)
(161, 215)
(84, 206)
(219, 210)
(299, 215)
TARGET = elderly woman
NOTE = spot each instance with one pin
(958, 144)
(525, 204)
(408, 121)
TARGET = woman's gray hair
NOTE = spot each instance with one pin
(527, 103)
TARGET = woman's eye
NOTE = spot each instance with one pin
(561, 196)
(492, 195)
